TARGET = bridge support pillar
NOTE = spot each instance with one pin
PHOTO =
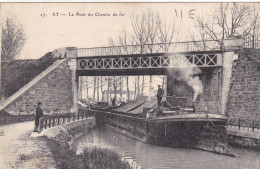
(234, 44)
(228, 58)
(72, 54)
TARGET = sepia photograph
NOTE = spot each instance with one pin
(130, 85)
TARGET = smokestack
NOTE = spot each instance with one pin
(189, 75)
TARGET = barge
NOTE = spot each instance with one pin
(176, 125)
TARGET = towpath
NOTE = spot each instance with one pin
(19, 150)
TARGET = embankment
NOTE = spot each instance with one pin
(60, 138)
(244, 139)
(66, 133)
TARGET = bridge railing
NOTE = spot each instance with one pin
(189, 46)
(252, 41)
(55, 120)
(244, 124)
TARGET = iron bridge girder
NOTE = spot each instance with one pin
(152, 62)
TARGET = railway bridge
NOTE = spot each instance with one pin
(58, 85)
(214, 62)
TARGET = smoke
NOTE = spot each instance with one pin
(189, 75)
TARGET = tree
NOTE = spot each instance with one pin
(150, 86)
(148, 34)
(102, 87)
(229, 19)
(121, 83)
(144, 85)
(12, 42)
(135, 86)
(168, 32)
(80, 87)
(138, 86)
(13, 39)
(87, 83)
(127, 88)
(97, 87)
(145, 29)
(94, 85)
(115, 85)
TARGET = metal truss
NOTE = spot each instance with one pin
(171, 61)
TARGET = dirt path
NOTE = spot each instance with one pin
(19, 150)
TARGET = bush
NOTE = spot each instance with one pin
(17, 73)
(101, 158)
(64, 158)
(6, 118)
(92, 158)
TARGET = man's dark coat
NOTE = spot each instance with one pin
(39, 114)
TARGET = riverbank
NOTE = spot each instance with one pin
(6, 118)
(244, 138)
(94, 158)
(60, 138)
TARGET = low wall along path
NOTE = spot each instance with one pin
(65, 133)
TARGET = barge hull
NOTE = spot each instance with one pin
(204, 134)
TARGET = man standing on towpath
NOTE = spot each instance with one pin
(38, 115)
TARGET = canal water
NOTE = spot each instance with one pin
(157, 157)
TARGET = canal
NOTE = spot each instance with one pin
(152, 156)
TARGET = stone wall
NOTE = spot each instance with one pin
(54, 91)
(66, 133)
(244, 139)
(244, 94)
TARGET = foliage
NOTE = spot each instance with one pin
(101, 158)
(228, 19)
(92, 158)
(147, 28)
(64, 158)
(17, 73)
(13, 39)
(6, 118)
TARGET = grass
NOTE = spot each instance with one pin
(6, 118)
(92, 158)
(64, 158)
(99, 158)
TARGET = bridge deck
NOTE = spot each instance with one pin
(189, 46)
(155, 56)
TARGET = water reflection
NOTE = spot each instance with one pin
(152, 156)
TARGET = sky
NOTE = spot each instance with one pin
(47, 29)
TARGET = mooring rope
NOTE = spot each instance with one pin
(209, 119)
